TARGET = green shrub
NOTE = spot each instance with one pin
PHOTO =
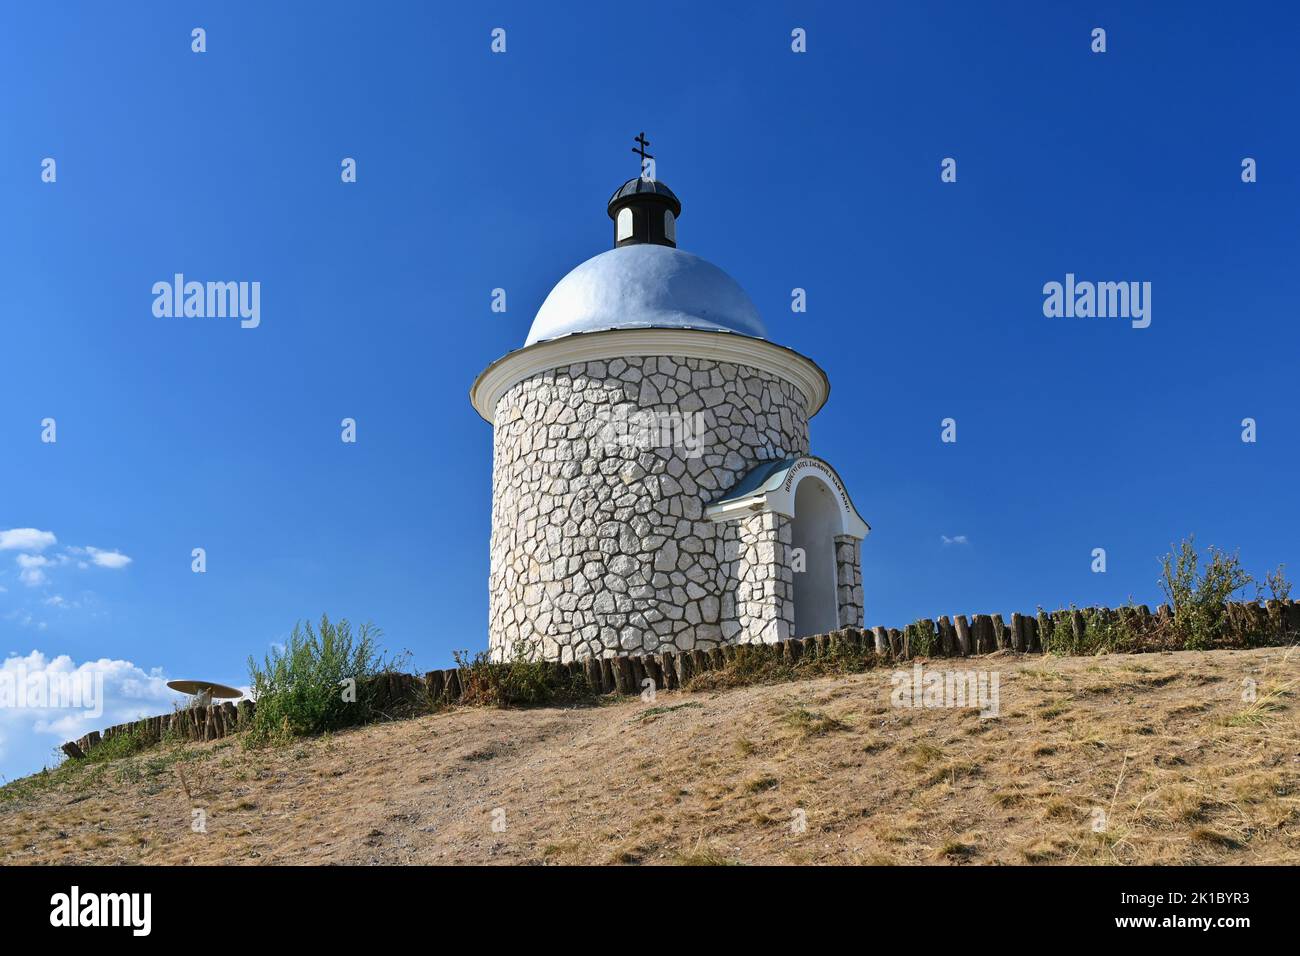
(123, 745)
(845, 657)
(1202, 615)
(1059, 638)
(1197, 597)
(753, 664)
(1125, 629)
(1278, 586)
(1114, 631)
(520, 681)
(920, 638)
(319, 681)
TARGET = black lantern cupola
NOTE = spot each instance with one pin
(644, 210)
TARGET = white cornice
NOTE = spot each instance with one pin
(507, 371)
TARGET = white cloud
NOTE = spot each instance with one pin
(26, 539)
(32, 577)
(958, 539)
(108, 559)
(34, 568)
(32, 565)
(28, 733)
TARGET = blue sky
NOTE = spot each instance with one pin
(479, 170)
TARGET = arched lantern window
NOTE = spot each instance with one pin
(624, 224)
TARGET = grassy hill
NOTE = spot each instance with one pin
(1152, 758)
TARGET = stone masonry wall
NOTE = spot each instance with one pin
(848, 578)
(601, 473)
(765, 581)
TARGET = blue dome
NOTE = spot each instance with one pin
(643, 286)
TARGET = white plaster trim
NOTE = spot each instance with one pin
(732, 510)
(781, 499)
(509, 370)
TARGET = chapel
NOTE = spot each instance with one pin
(652, 485)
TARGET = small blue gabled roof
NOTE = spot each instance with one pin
(765, 477)
(763, 489)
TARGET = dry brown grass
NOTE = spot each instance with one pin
(1160, 748)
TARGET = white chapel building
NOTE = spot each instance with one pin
(652, 487)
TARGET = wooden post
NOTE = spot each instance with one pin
(622, 672)
(930, 635)
(671, 668)
(1078, 627)
(1017, 632)
(852, 639)
(947, 637)
(433, 686)
(73, 751)
(1001, 637)
(1044, 630)
(1261, 626)
(989, 640)
(638, 674)
(685, 668)
(962, 628)
(608, 682)
(591, 668)
(668, 669)
(652, 671)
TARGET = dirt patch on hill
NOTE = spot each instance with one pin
(1152, 758)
